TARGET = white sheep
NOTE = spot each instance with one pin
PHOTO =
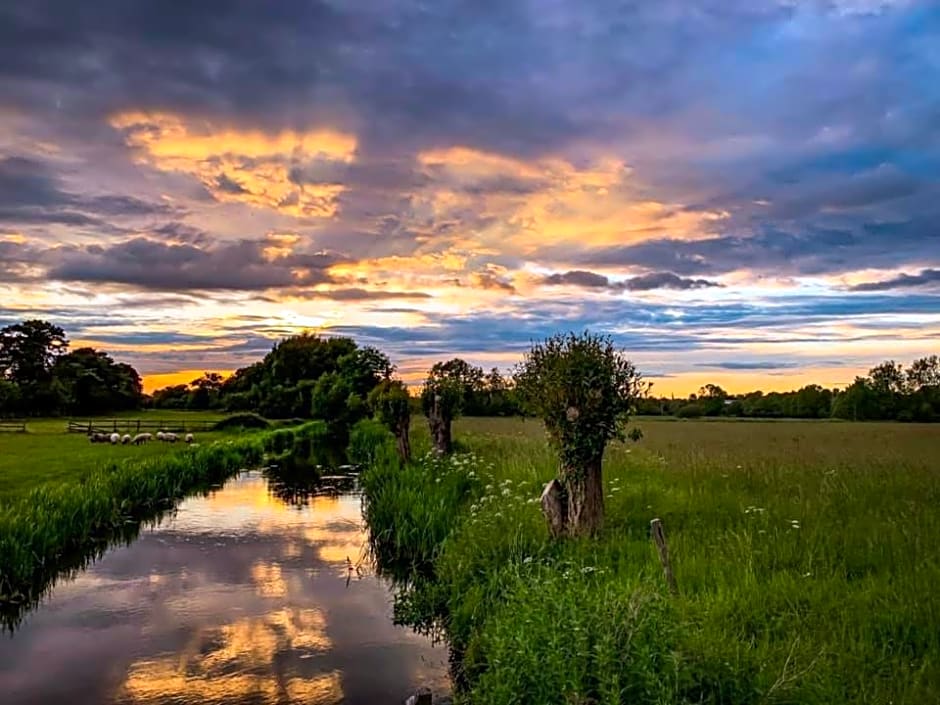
(160, 435)
(125, 439)
(141, 438)
(189, 438)
(170, 437)
(115, 438)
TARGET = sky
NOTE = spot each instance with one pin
(742, 192)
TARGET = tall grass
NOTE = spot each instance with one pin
(807, 575)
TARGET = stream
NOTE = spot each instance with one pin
(259, 592)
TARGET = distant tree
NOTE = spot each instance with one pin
(93, 383)
(390, 403)
(205, 391)
(447, 389)
(689, 411)
(583, 389)
(28, 350)
(711, 399)
(172, 397)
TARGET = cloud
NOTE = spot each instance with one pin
(926, 278)
(247, 166)
(151, 264)
(31, 192)
(643, 282)
(757, 365)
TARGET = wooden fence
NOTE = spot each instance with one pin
(10, 426)
(134, 426)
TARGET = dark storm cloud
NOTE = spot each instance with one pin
(757, 365)
(32, 193)
(643, 282)
(150, 264)
(775, 251)
(926, 278)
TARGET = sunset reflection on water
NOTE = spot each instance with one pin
(236, 598)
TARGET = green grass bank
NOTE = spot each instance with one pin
(806, 557)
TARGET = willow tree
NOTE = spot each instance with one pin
(442, 399)
(583, 389)
(390, 403)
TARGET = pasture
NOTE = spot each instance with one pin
(807, 556)
(47, 454)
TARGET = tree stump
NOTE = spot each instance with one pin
(555, 508)
(422, 696)
(439, 425)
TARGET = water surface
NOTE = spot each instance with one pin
(256, 593)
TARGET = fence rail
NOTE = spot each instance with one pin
(140, 425)
(13, 426)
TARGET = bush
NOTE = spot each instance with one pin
(238, 421)
(689, 411)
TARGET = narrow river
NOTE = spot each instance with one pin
(257, 593)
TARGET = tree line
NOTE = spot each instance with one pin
(309, 376)
(889, 392)
(40, 376)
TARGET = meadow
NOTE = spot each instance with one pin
(46, 454)
(806, 555)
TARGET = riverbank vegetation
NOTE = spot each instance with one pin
(805, 556)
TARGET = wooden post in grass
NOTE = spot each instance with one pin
(659, 538)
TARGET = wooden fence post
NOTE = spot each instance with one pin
(659, 538)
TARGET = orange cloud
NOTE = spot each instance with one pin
(247, 166)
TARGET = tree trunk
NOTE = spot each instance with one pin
(404, 441)
(584, 489)
(439, 424)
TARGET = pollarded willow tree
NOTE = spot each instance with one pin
(390, 403)
(442, 399)
(583, 389)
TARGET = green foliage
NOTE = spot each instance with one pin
(802, 552)
(390, 403)
(39, 377)
(452, 383)
(237, 421)
(689, 411)
(582, 388)
(369, 442)
(334, 400)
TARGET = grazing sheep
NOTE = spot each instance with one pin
(160, 435)
(170, 437)
(115, 438)
(189, 438)
(141, 438)
(99, 437)
(125, 439)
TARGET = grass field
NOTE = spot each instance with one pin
(807, 556)
(47, 454)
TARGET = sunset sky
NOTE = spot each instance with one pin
(741, 192)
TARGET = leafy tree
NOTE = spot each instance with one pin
(583, 389)
(10, 398)
(365, 368)
(205, 391)
(335, 401)
(29, 349)
(93, 383)
(446, 390)
(711, 399)
(391, 404)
